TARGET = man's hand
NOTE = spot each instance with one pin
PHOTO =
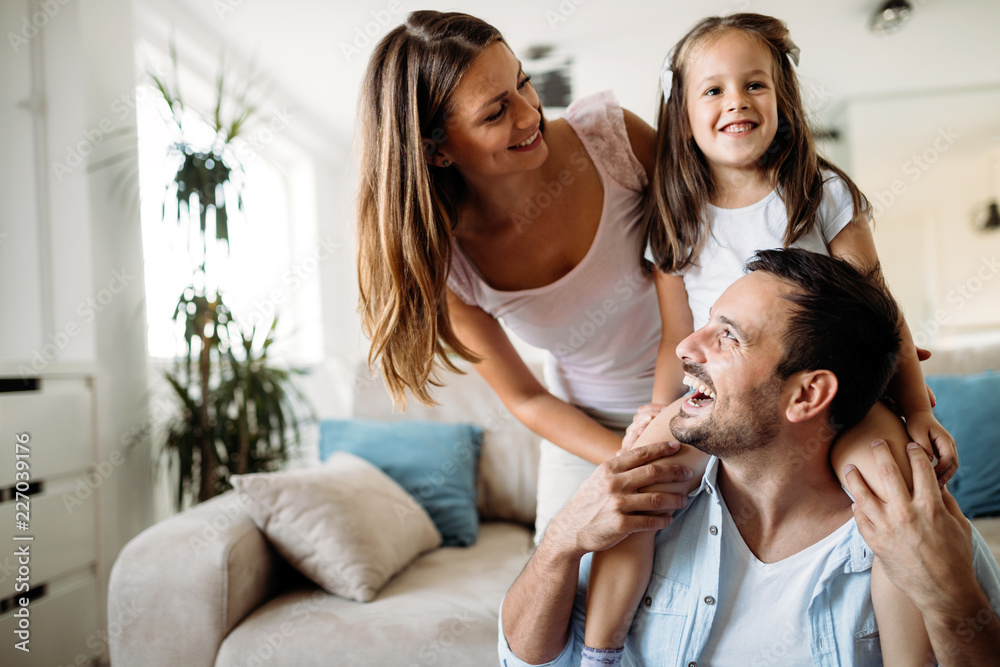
(923, 541)
(609, 506)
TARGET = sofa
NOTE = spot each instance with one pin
(206, 588)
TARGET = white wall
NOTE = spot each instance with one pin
(924, 161)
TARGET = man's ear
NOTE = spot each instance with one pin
(812, 392)
(432, 155)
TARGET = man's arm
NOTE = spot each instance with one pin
(925, 545)
(602, 512)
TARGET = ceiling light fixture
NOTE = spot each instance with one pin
(890, 16)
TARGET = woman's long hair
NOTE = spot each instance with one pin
(676, 224)
(407, 208)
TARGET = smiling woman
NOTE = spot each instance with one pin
(474, 210)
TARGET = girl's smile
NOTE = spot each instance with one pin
(731, 103)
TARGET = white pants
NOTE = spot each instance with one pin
(560, 473)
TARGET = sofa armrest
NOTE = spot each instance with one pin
(180, 586)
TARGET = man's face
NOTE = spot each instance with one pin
(730, 362)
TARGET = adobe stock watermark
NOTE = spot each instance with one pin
(88, 310)
(249, 147)
(99, 641)
(551, 190)
(957, 297)
(102, 471)
(914, 168)
(562, 12)
(371, 31)
(597, 315)
(433, 652)
(224, 7)
(33, 24)
(266, 309)
(120, 112)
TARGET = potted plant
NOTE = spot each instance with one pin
(238, 412)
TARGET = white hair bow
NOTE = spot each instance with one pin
(666, 79)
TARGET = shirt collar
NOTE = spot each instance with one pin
(854, 554)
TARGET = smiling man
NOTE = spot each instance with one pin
(766, 565)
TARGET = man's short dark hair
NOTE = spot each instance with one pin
(844, 320)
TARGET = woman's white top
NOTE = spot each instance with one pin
(600, 322)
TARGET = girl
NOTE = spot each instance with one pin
(473, 209)
(736, 170)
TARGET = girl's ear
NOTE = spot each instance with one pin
(812, 392)
(433, 156)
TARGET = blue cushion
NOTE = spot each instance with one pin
(434, 462)
(969, 407)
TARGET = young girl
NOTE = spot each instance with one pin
(736, 170)
(474, 210)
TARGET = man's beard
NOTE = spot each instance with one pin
(730, 431)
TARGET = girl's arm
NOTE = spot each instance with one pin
(677, 324)
(856, 244)
(522, 393)
(620, 575)
(901, 628)
(898, 618)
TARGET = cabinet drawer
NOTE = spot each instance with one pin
(64, 625)
(65, 537)
(59, 419)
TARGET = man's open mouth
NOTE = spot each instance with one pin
(702, 395)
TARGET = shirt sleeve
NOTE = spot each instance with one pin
(568, 658)
(600, 124)
(836, 210)
(987, 570)
(461, 277)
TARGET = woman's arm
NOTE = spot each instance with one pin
(856, 244)
(522, 393)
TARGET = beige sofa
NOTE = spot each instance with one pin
(204, 587)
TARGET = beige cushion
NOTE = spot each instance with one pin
(345, 524)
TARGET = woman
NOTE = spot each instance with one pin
(473, 209)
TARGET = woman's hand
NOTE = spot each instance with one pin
(644, 415)
(928, 432)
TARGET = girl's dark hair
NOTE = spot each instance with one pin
(406, 208)
(676, 225)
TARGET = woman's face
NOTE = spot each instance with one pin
(494, 125)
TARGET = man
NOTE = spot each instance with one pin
(785, 577)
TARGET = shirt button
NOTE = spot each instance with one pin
(709, 599)
(692, 664)
(713, 530)
(648, 601)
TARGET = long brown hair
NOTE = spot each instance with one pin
(681, 186)
(407, 208)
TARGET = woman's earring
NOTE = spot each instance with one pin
(445, 163)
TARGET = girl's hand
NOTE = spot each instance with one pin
(927, 432)
(640, 421)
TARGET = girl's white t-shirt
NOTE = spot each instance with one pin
(737, 233)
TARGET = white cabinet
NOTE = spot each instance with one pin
(63, 611)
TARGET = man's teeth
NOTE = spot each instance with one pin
(528, 140)
(698, 386)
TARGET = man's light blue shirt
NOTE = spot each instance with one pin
(675, 617)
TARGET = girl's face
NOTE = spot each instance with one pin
(494, 127)
(731, 101)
